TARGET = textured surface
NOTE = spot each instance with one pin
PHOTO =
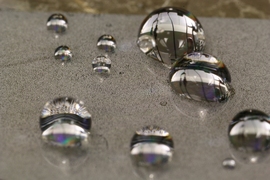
(205, 8)
(133, 96)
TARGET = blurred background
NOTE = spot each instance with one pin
(202, 8)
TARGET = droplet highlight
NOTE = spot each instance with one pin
(101, 64)
(65, 122)
(167, 34)
(151, 150)
(57, 23)
(107, 43)
(249, 134)
(63, 53)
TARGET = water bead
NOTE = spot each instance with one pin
(101, 64)
(107, 43)
(249, 135)
(151, 150)
(169, 33)
(201, 77)
(63, 53)
(65, 122)
(57, 23)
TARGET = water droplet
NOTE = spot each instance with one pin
(201, 77)
(249, 134)
(107, 43)
(63, 53)
(151, 150)
(65, 122)
(229, 163)
(57, 23)
(167, 34)
(201, 85)
(101, 64)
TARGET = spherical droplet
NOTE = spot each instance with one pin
(151, 150)
(201, 77)
(57, 23)
(63, 53)
(65, 122)
(169, 33)
(101, 64)
(249, 135)
(229, 163)
(107, 43)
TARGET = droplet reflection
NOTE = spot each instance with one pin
(65, 122)
(151, 151)
(169, 33)
(249, 135)
(101, 64)
(57, 23)
(63, 53)
(201, 85)
(107, 43)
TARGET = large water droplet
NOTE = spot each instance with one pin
(151, 150)
(63, 53)
(201, 85)
(57, 23)
(201, 77)
(169, 33)
(229, 163)
(101, 64)
(107, 43)
(65, 122)
(249, 135)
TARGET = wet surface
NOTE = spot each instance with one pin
(206, 8)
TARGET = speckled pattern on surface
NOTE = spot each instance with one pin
(202, 8)
(129, 99)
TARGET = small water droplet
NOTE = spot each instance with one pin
(229, 163)
(57, 23)
(101, 64)
(151, 151)
(167, 34)
(63, 53)
(201, 77)
(163, 103)
(249, 136)
(107, 43)
(146, 43)
(65, 122)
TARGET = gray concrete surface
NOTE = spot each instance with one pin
(127, 100)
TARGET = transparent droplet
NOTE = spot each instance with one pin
(151, 151)
(101, 64)
(249, 134)
(65, 122)
(63, 53)
(57, 23)
(202, 78)
(229, 163)
(169, 33)
(107, 43)
(146, 43)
